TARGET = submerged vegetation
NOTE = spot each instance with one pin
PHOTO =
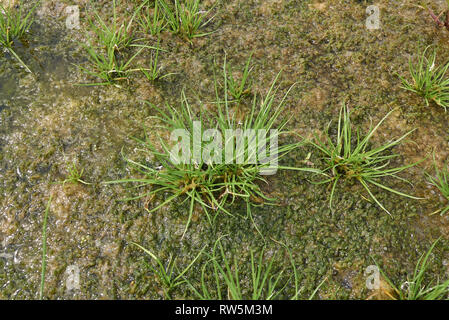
(351, 157)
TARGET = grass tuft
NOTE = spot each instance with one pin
(184, 17)
(428, 80)
(151, 20)
(14, 23)
(238, 89)
(224, 279)
(75, 175)
(441, 182)
(351, 157)
(202, 182)
(415, 288)
(108, 59)
(153, 73)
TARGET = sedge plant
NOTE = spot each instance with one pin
(108, 57)
(238, 89)
(151, 21)
(416, 288)
(14, 23)
(351, 157)
(441, 182)
(107, 66)
(153, 72)
(264, 281)
(75, 175)
(44, 250)
(224, 279)
(216, 177)
(428, 80)
(185, 17)
(169, 275)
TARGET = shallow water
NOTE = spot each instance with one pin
(47, 121)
